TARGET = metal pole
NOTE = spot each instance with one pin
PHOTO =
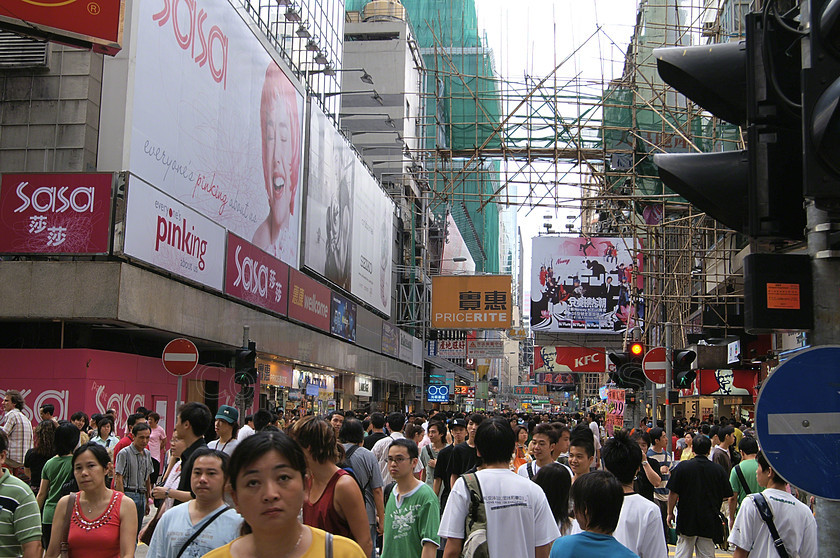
(825, 266)
(668, 350)
(246, 338)
(177, 402)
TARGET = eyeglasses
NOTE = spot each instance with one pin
(398, 459)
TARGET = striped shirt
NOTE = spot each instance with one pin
(20, 518)
(19, 430)
(135, 468)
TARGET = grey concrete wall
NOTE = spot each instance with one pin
(49, 118)
(124, 293)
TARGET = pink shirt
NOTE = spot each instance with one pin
(155, 439)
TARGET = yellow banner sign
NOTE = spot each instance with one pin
(471, 302)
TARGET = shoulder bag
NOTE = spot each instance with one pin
(767, 515)
(65, 546)
(199, 531)
(740, 473)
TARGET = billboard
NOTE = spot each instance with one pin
(256, 277)
(564, 380)
(585, 285)
(309, 301)
(447, 348)
(55, 213)
(216, 123)
(471, 302)
(478, 348)
(343, 321)
(569, 359)
(165, 233)
(348, 226)
(96, 25)
(390, 340)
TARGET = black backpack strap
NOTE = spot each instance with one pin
(767, 515)
(350, 451)
(200, 529)
(530, 470)
(743, 480)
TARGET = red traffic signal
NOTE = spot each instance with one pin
(637, 350)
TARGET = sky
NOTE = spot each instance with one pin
(532, 37)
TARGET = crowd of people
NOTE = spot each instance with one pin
(366, 484)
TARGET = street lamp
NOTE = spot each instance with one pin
(375, 95)
(365, 77)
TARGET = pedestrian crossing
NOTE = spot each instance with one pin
(718, 552)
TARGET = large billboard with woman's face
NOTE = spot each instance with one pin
(216, 123)
(349, 218)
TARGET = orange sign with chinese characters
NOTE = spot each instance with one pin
(96, 24)
(783, 296)
(471, 302)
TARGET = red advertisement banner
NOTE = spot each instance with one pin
(256, 277)
(309, 301)
(556, 379)
(55, 213)
(569, 359)
(94, 23)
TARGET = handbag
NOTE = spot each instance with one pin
(149, 530)
(767, 515)
(721, 537)
(64, 551)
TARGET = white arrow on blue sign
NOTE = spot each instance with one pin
(798, 421)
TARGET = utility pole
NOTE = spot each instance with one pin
(669, 349)
(825, 266)
(246, 337)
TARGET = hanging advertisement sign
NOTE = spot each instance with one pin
(569, 359)
(163, 232)
(559, 379)
(448, 348)
(390, 340)
(216, 123)
(585, 285)
(256, 277)
(477, 348)
(343, 321)
(723, 382)
(406, 346)
(55, 213)
(95, 25)
(471, 302)
(275, 374)
(614, 417)
(363, 386)
(349, 218)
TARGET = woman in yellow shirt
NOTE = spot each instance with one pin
(688, 452)
(266, 477)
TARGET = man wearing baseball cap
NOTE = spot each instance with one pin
(227, 428)
(443, 467)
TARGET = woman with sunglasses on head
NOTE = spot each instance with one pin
(267, 479)
(103, 524)
(333, 499)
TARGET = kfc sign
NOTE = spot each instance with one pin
(83, 23)
(55, 213)
(309, 301)
(553, 359)
(256, 277)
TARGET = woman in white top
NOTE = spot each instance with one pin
(793, 520)
(227, 427)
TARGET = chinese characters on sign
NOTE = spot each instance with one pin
(471, 302)
(614, 417)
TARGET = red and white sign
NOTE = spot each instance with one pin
(55, 213)
(255, 277)
(97, 25)
(309, 301)
(653, 365)
(180, 357)
(452, 348)
(569, 359)
(163, 232)
(477, 348)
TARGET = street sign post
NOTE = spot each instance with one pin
(797, 420)
(180, 357)
(653, 365)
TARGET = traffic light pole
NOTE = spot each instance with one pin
(246, 338)
(825, 265)
(669, 350)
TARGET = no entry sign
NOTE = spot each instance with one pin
(180, 357)
(653, 365)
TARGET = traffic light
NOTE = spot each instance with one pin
(820, 98)
(681, 371)
(757, 190)
(628, 367)
(245, 367)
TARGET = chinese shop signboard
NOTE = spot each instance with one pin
(471, 302)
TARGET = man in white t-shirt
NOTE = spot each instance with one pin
(396, 424)
(247, 429)
(639, 524)
(542, 445)
(793, 520)
(519, 520)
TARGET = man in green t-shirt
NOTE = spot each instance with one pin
(748, 466)
(412, 513)
(57, 471)
(20, 518)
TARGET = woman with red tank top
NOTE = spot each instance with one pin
(332, 500)
(103, 524)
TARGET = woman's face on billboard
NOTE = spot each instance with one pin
(278, 157)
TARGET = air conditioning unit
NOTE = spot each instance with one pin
(22, 52)
(710, 29)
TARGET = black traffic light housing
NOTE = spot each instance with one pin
(245, 367)
(821, 102)
(682, 373)
(756, 191)
(628, 367)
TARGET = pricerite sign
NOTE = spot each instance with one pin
(471, 302)
(55, 213)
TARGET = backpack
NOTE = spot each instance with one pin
(345, 464)
(475, 528)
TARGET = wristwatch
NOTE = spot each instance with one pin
(167, 492)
